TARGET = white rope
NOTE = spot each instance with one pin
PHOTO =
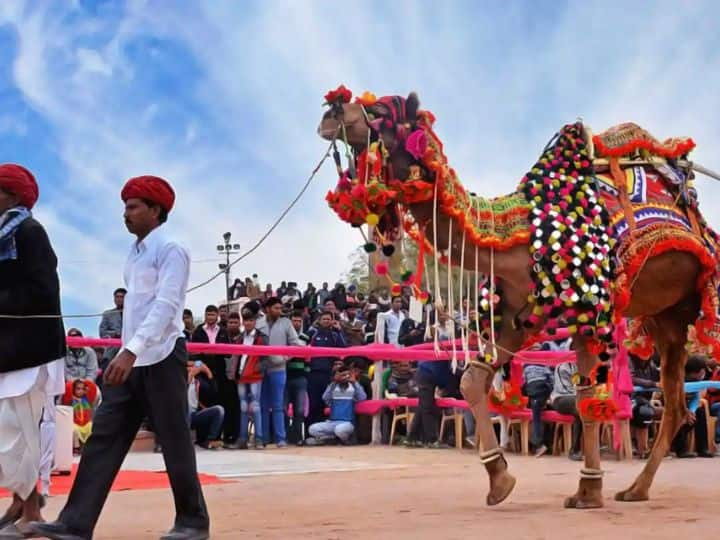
(426, 318)
(451, 297)
(437, 299)
(463, 316)
(466, 323)
(492, 288)
(476, 294)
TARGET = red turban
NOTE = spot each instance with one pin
(150, 188)
(20, 182)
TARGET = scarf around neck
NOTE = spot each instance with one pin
(9, 223)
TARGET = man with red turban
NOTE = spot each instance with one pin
(147, 378)
(31, 347)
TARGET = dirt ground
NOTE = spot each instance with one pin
(433, 494)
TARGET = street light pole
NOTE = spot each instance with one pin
(228, 249)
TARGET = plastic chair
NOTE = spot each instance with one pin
(455, 407)
(401, 413)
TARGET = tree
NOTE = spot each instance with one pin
(358, 273)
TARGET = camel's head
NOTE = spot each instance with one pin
(389, 118)
(391, 126)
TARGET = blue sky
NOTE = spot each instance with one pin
(223, 99)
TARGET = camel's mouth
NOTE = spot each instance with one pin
(328, 128)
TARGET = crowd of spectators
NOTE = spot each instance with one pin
(251, 401)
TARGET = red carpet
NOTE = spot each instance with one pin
(125, 481)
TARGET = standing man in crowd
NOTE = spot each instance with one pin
(147, 377)
(225, 390)
(296, 386)
(188, 324)
(280, 332)
(323, 294)
(31, 350)
(388, 323)
(111, 326)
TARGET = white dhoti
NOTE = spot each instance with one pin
(23, 396)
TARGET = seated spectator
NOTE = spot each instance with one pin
(246, 370)
(401, 382)
(713, 397)
(341, 396)
(80, 362)
(563, 400)
(537, 386)
(695, 370)
(82, 396)
(206, 421)
(644, 409)
(328, 333)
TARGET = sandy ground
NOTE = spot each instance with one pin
(434, 494)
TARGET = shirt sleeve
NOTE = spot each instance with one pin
(360, 394)
(292, 337)
(172, 278)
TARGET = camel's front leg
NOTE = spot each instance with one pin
(589, 493)
(475, 385)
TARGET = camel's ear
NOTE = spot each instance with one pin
(412, 104)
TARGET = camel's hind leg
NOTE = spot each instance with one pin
(589, 493)
(670, 333)
(475, 385)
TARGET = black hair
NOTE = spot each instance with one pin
(695, 363)
(234, 315)
(328, 313)
(329, 300)
(398, 297)
(272, 301)
(297, 313)
(186, 311)
(120, 290)
(163, 215)
(211, 309)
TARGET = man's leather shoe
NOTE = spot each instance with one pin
(55, 530)
(186, 533)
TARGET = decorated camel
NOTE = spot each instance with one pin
(601, 228)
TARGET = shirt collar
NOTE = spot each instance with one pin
(152, 238)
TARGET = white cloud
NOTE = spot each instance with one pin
(245, 137)
(91, 61)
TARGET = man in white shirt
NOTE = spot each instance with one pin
(388, 324)
(30, 346)
(148, 377)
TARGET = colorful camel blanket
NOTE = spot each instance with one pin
(662, 215)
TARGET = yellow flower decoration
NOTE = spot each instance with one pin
(367, 99)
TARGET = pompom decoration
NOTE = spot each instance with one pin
(382, 269)
(509, 400)
(424, 297)
(597, 410)
(571, 245)
(366, 99)
(388, 250)
(416, 143)
(339, 95)
(406, 276)
(396, 289)
(372, 219)
(370, 247)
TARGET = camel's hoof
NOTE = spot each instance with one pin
(631, 495)
(583, 503)
(501, 489)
